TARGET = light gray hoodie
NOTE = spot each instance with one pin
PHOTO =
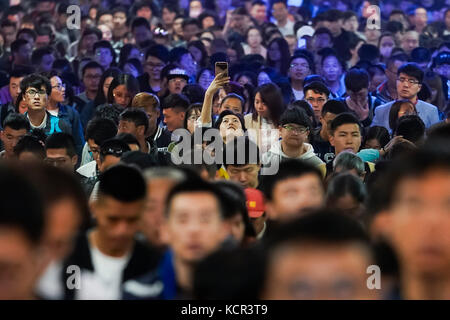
(275, 151)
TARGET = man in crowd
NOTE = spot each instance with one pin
(15, 127)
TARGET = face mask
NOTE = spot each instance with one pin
(386, 51)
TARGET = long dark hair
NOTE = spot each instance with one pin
(285, 55)
(272, 97)
(393, 113)
(100, 97)
(128, 81)
(200, 46)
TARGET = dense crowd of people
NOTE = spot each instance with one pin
(224, 149)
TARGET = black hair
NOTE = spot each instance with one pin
(17, 44)
(189, 111)
(189, 21)
(312, 78)
(368, 52)
(194, 92)
(125, 52)
(200, 46)
(19, 72)
(233, 95)
(129, 81)
(356, 79)
(136, 63)
(30, 143)
(333, 106)
(241, 275)
(411, 127)
(35, 81)
(344, 184)
(393, 112)
(115, 147)
(100, 97)
(106, 45)
(132, 186)
(128, 138)
(140, 22)
(16, 121)
(317, 87)
(159, 51)
(396, 57)
(225, 113)
(307, 58)
(38, 54)
(379, 133)
(412, 70)
(109, 111)
(92, 65)
(197, 185)
(176, 101)
(61, 140)
(22, 210)
(100, 129)
(236, 203)
(296, 115)
(241, 151)
(271, 95)
(176, 53)
(137, 116)
(341, 119)
(302, 104)
(291, 168)
(420, 54)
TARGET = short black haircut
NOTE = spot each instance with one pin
(176, 53)
(241, 151)
(368, 52)
(194, 92)
(61, 140)
(412, 70)
(17, 44)
(20, 72)
(291, 168)
(38, 54)
(159, 51)
(140, 22)
(341, 119)
(333, 15)
(176, 101)
(296, 115)
(114, 147)
(36, 81)
(91, 65)
(30, 143)
(128, 138)
(356, 79)
(100, 129)
(379, 133)
(106, 45)
(123, 183)
(317, 87)
(16, 121)
(420, 54)
(396, 57)
(137, 116)
(197, 185)
(333, 106)
(22, 210)
(189, 21)
(28, 31)
(344, 184)
(411, 127)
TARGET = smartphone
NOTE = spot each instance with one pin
(221, 67)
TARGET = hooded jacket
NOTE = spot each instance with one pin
(275, 151)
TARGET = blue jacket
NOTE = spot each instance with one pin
(159, 284)
(427, 112)
(72, 118)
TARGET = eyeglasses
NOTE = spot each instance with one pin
(295, 129)
(60, 86)
(155, 65)
(32, 93)
(410, 81)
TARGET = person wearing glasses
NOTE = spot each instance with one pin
(57, 108)
(409, 83)
(37, 90)
(300, 67)
(294, 127)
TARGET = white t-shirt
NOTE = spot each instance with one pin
(298, 94)
(105, 282)
(53, 112)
